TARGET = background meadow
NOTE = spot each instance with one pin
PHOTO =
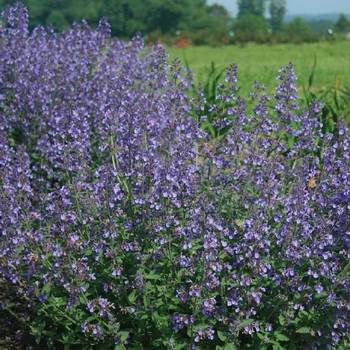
(260, 62)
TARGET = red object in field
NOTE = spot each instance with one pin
(182, 43)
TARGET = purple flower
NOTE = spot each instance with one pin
(179, 321)
(208, 306)
(204, 334)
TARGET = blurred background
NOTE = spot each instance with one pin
(199, 22)
(258, 35)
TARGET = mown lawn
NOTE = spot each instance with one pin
(261, 62)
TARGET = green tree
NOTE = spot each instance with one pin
(277, 12)
(342, 25)
(57, 19)
(298, 31)
(60, 13)
(251, 7)
(216, 26)
(134, 17)
(80, 9)
(219, 19)
(194, 15)
(128, 17)
(165, 15)
(218, 11)
(251, 28)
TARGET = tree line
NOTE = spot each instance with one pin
(257, 20)
(128, 17)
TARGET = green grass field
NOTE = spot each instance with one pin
(261, 62)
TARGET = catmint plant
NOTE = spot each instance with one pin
(132, 218)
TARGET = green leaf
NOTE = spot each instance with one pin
(261, 336)
(222, 336)
(132, 297)
(91, 318)
(152, 276)
(123, 335)
(57, 301)
(313, 71)
(321, 295)
(281, 337)
(157, 343)
(304, 330)
(200, 326)
(277, 347)
(230, 346)
(245, 323)
(281, 320)
(47, 288)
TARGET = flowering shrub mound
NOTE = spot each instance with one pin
(124, 224)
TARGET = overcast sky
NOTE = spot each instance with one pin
(301, 6)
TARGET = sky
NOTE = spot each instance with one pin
(295, 7)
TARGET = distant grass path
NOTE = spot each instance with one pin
(261, 62)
